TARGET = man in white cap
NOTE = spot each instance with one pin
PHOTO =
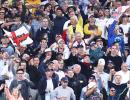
(101, 76)
(92, 93)
(124, 72)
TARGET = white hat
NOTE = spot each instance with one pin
(47, 50)
(91, 15)
(92, 85)
(60, 40)
(101, 61)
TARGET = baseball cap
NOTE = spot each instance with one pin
(91, 15)
(47, 50)
(101, 61)
(71, 7)
(64, 79)
(92, 85)
(92, 43)
(92, 77)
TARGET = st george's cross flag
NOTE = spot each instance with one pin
(122, 9)
(20, 37)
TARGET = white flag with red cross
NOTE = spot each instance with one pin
(20, 37)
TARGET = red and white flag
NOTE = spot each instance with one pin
(20, 37)
(122, 9)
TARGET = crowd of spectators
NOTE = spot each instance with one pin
(80, 50)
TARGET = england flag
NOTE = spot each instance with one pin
(20, 37)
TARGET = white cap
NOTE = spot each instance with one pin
(47, 50)
(60, 40)
(92, 85)
(101, 61)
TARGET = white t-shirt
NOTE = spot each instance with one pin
(125, 30)
(125, 76)
(102, 24)
(49, 89)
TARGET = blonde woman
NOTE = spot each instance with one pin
(15, 95)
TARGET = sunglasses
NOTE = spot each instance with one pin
(113, 90)
(91, 78)
(20, 73)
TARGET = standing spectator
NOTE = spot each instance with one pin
(117, 86)
(101, 20)
(62, 48)
(15, 95)
(125, 25)
(101, 75)
(59, 22)
(92, 92)
(115, 35)
(76, 25)
(47, 85)
(84, 89)
(86, 67)
(91, 30)
(23, 83)
(6, 47)
(73, 57)
(2, 20)
(58, 71)
(35, 75)
(124, 72)
(79, 40)
(114, 57)
(79, 80)
(95, 52)
(43, 31)
(63, 91)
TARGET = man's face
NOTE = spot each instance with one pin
(112, 91)
(73, 20)
(70, 73)
(2, 14)
(118, 79)
(36, 61)
(6, 4)
(59, 13)
(124, 67)
(23, 65)
(86, 59)
(64, 84)
(43, 43)
(45, 23)
(20, 75)
(77, 69)
(49, 73)
(78, 37)
(118, 4)
(5, 40)
(114, 50)
(100, 67)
